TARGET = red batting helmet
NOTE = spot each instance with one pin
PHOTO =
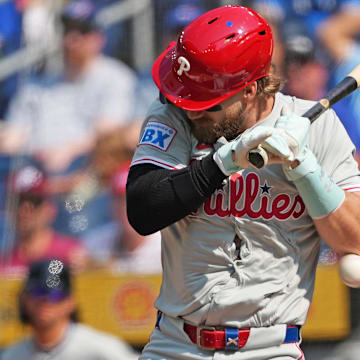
(216, 55)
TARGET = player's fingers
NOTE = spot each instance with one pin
(277, 145)
(257, 136)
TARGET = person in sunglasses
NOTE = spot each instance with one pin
(47, 304)
(240, 243)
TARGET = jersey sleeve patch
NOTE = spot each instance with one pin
(158, 135)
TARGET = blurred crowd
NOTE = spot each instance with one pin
(69, 122)
(67, 138)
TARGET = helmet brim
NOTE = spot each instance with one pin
(174, 89)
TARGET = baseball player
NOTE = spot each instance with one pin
(239, 245)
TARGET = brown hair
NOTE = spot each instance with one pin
(114, 148)
(112, 145)
(271, 84)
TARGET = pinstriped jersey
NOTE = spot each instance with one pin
(248, 255)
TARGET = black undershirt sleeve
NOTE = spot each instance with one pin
(158, 197)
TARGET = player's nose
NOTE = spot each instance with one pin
(193, 115)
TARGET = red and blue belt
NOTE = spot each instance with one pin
(211, 338)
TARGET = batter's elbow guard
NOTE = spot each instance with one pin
(138, 223)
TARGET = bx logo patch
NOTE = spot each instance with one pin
(158, 135)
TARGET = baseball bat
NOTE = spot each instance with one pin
(259, 158)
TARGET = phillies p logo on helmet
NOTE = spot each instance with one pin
(184, 65)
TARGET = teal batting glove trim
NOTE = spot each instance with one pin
(308, 163)
(320, 194)
(223, 157)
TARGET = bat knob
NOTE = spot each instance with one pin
(258, 158)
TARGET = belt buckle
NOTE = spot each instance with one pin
(199, 329)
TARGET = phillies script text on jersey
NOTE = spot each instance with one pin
(246, 189)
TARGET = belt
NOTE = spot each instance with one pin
(210, 338)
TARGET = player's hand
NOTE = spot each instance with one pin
(294, 130)
(232, 156)
(290, 138)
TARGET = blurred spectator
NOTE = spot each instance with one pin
(306, 76)
(274, 18)
(340, 33)
(307, 14)
(113, 242)
(111, 151)
(47, 304)
(117, 35)
(117, 244)
(55, 118)
(10, 41)
(34, 237)
(84, 198)
(177, 17)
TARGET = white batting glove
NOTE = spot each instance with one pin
(294, 130)
(291, 132)
(232, 156)
(320, 194)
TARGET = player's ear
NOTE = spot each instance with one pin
(250, 90)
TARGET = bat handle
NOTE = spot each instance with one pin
(258, 157)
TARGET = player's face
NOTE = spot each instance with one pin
(31, 217)
(230, 121)
(80, 48)
(44, 313)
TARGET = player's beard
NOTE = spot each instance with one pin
(207, 131)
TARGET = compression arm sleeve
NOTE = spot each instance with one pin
(158, 197)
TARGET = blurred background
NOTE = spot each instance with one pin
(75, 85)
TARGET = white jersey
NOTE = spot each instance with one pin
(80, 343)
(269, 277)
